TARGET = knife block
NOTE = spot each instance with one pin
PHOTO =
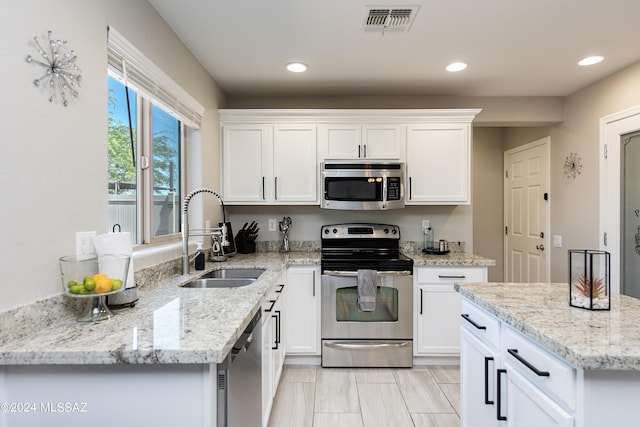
(245, 246)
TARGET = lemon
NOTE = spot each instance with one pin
(116, 284)
(103, 283)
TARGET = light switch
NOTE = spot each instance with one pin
(557, 241)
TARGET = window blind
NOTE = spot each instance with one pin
(127, 64)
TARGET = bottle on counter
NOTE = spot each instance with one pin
(199, 263)
(428, 237)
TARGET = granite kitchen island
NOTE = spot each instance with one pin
(544, 362)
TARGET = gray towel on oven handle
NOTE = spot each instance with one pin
(367, 287)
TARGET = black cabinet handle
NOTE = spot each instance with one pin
(275, 188)
(475, 325)
(514, 353)
(273, 302)
(278, 323)
(410, 188)
(499, 415)
(420, 301)
(486, 381)
(280, 290)
(264, 197)
(459, 276)
(314, 283)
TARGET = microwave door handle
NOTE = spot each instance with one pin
(384, 190)
(355, 273)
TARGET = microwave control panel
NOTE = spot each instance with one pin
(393, 188)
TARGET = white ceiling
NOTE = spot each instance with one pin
(513, 47)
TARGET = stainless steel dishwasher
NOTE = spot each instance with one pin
(240, 380)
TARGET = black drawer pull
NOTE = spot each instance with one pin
(280, 290)
(444, 276)
(475, 325)
(514, 353)
(486, 381)
(499, 415)
(273, 302)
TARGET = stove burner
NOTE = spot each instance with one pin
(350, 247)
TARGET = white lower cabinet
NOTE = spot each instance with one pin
(508, 380)
(437, 308)
(303, 310)
(273, 347)
(528, 406)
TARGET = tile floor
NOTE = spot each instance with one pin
(310, 396)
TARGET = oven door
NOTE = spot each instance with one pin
(342, 319)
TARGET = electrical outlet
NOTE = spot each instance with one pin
(272, 224)
(84, 244)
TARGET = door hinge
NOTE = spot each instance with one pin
(506, 230)
(605, 238)
(606, 151)
(546, 196)
(506, 173)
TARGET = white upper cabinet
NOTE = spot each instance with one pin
(295, 165)
(372, 141)
(273, 156)
(269, 164)
(439, 165)
(245, 162)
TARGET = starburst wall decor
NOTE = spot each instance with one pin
(61, 74)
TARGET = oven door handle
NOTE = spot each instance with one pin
(355, 273)
(365, 344)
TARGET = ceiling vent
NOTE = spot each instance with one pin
(381, 18)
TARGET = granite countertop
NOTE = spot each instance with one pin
(597, 340)
(168, 325)
(453, 259)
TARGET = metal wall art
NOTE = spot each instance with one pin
(61, 74)
(573, 165)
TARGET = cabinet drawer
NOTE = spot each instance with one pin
(545, 370)
(452, 274)
(480, 323)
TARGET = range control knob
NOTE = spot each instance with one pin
(386, 231)
(326, 231)
(394, 231)
(335, 231)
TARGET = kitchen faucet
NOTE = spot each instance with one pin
(222, 230)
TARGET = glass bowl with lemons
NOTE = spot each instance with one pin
(93, 278)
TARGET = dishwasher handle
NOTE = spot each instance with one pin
(338, 273)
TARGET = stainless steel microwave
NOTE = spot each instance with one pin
(362, 185)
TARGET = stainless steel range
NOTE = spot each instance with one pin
(367, 297)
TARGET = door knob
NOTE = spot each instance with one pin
(540, 247)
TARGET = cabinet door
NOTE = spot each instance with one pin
(341, 141)
(438, 168)
(267, 365)
(245, 160)
(278, 341)
(382, 141)
(303, 311)
(294, 164)
(478, 364)
(527, 406)
(437, 320)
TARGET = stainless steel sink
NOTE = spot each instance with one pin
(219, 283)
(234, 273)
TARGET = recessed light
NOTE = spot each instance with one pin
(590, 60)
(297, 67)
(456, 66)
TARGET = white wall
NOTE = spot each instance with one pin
(53, 160)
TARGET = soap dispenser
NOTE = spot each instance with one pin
(199, 263)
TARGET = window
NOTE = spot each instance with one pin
(149, 118)
(144, 167)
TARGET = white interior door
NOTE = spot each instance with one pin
(612, 128)
(527, 212)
